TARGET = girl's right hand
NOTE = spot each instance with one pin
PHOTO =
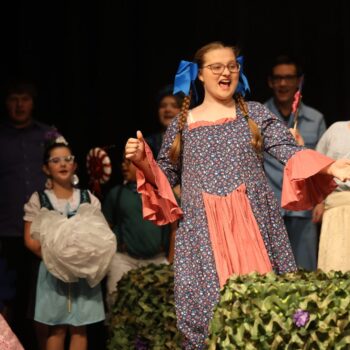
(135, 148)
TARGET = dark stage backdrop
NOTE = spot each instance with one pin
(99, 64)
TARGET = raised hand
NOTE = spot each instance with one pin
(135, 148)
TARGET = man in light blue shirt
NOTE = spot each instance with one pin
(284, 79)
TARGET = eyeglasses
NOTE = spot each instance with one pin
(218, 68)
(287, 78)
(57, 160)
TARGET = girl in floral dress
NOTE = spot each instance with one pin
(229, 218)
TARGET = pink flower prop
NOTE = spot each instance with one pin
(297, 98)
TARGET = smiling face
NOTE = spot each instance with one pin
(219, 86)
(60, 166)
(284, 82)
(168, 108)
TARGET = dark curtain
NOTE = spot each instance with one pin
(99, 64)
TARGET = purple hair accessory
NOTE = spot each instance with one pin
(52, 134)
(301, 318)
(55, 137)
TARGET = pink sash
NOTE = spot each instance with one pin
(235, 236)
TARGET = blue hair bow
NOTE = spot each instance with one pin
(243, 85)
(185, 76)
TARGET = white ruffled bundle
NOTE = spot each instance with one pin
(79, 247)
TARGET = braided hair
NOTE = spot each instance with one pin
(175, 149)
(257, 140)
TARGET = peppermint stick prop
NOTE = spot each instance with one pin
(99, 168)
(296, 103)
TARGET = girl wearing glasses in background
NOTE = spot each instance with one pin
(229, 221)
(75, 251)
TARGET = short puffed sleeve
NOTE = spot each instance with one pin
(32, 207)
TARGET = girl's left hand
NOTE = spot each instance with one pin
(340, 169)
(135, 148)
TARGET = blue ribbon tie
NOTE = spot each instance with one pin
(243, 85)
(185, 76)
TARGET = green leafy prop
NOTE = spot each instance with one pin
(144, 312)
(292, 311)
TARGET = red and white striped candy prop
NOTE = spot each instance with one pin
(99, 168)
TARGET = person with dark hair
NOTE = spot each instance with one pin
(229, 221)
(21, 150)
(284, 79)
(20, 86)
(65, 227)
(168, 106)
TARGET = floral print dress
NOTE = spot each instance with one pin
(225, 194)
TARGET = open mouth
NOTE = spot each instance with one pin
(225, 83)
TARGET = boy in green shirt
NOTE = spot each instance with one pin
(140, 242)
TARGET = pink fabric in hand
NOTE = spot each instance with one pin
(158, 202)
(303, 185)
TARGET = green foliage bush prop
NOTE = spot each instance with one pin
(256, 312)
(144, 312)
